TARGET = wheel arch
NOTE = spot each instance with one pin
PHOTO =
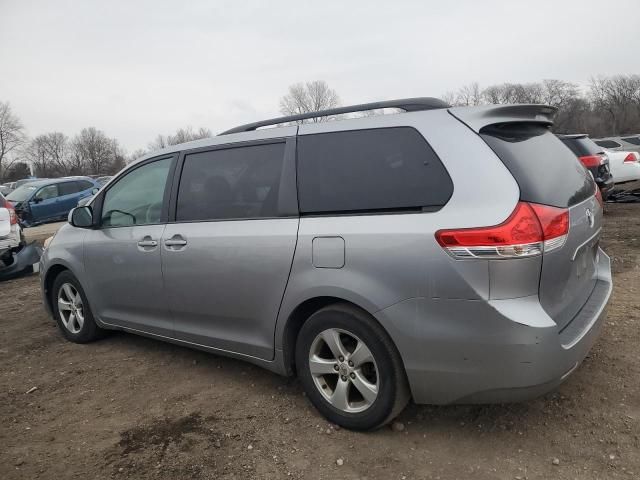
(301, 313)
(49, 277)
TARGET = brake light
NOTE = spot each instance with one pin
(530, 230)
(631, 158)
(591, 161)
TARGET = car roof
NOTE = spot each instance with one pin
(53, 181)
(572, 135)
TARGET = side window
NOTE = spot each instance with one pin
(68, 188)
(45, 193)
(136, 198)
(239, 182)
(607, 143)
(84, 185)
(369, 170)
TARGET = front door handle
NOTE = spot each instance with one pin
(147, 242)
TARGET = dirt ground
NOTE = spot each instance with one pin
(129, 407)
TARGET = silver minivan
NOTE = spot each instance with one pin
(448, 255)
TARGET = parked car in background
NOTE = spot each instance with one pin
(43, 201)
(103, 180)
(593, 157)
(626, 143)
(10, 232)
(5, 189)
(362, 254)
(625, 169)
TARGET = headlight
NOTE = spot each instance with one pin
(48, 241)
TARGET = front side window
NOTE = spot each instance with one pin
(45, 193)
(84, 185)
(136, 198)
(370, 170)
(241, 182)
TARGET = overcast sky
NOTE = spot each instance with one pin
(138, 68)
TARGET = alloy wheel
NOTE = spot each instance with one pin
(343, 370)
(70, 308)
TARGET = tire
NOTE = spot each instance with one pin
(82, 327)
(346, 327)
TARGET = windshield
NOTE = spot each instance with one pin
(21, 194)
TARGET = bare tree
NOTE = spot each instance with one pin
(469, 95)
(12, 136)
(309, 97)
(93, 153)
(182, 135)
(49, 154)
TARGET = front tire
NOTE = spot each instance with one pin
(350, 369)
(71, 310)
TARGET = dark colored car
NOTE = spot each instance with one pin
(43, 201)
(593, 157)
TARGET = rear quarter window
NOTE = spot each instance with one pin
(387, 169)
(546, 170)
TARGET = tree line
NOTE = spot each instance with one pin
(607, 106)
(54, 154)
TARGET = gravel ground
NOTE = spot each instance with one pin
(129, 407)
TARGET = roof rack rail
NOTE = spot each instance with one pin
(406, 104)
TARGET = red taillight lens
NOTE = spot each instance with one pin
(529, 230)
(631, 158)
(591, 161)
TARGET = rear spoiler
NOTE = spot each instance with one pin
(477, 118)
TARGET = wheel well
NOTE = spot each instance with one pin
(52, 273)
(297, 318)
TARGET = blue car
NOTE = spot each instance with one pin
(49, 200)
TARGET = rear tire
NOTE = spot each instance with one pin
(350, 368)
(71, 310)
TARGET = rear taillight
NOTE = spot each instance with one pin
(631, 158)
(591, 161)
(530, 230)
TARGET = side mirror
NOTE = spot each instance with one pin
(36, 200)
(81, 217)
(95, 190)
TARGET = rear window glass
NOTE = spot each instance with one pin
(239, 182)
(68, 188)
(581, 146)
(546, 171)
(632, 140)
(369, 170)
(607, 143)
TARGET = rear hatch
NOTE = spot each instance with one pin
(549, 174)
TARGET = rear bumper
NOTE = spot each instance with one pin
(467, 351)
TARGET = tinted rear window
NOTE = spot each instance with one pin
(607, 143)
(581, 146)
(239, 182)
(546, 171)
(370, 170)
(632, 140)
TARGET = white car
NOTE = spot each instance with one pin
(625, 169)
(10, 232)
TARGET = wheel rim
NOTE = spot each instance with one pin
(343, 370)
(70, 308)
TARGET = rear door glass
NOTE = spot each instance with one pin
(547, 172)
